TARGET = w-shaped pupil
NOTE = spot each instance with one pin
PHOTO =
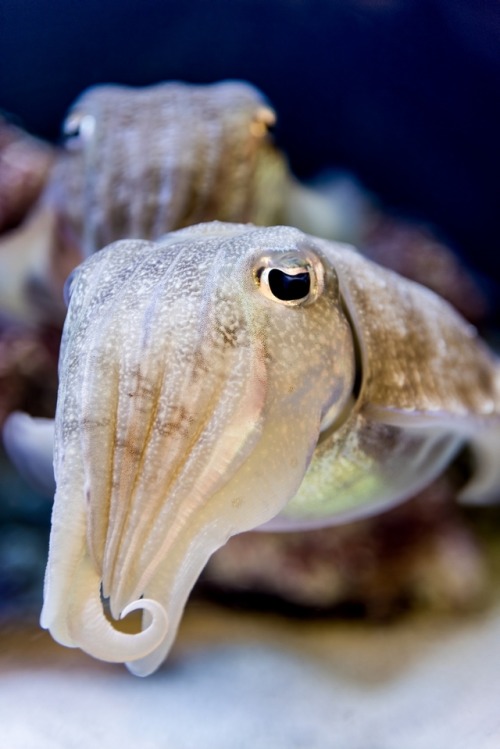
(289, 288)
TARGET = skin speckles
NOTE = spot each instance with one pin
(228, 334)
(144, 393)
(132, 450)
(216, 408)
(260, 337)
(199, 365)
(228, 325)
(88, 424)
(143, 389)
(179, 422)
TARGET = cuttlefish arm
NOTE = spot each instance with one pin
(179, 375)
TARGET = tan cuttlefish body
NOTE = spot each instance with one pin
(230, 377)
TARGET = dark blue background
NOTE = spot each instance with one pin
(404, 92)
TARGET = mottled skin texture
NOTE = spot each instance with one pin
(141, 162)
(195, 404)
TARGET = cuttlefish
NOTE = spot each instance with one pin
(231, 377)
(139, 162)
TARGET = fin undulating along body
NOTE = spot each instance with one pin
(230, 377)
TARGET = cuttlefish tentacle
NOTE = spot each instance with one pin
(74, 583)
(232, 377)
(95, 634)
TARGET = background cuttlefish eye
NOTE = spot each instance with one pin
(77, 129)
(263, 122)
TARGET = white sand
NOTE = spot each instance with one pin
(239, 681)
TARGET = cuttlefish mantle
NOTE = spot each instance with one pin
(230, 377)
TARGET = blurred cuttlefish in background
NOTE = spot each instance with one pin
(231, 377)
(137, 163)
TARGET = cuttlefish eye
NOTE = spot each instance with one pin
(263, 121)
(289, 287)
(291, 281)
(77, 129)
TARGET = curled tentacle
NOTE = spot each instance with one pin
(95, 634)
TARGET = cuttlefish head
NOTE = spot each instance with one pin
(142, 162)
(195, 376)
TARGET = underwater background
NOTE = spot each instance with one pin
(405, 96)
(405, 93)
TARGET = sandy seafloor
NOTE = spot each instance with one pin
(238, 680)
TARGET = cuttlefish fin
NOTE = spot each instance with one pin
(483, 487)
(334, 207)
(475, 433)
(29, 443)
